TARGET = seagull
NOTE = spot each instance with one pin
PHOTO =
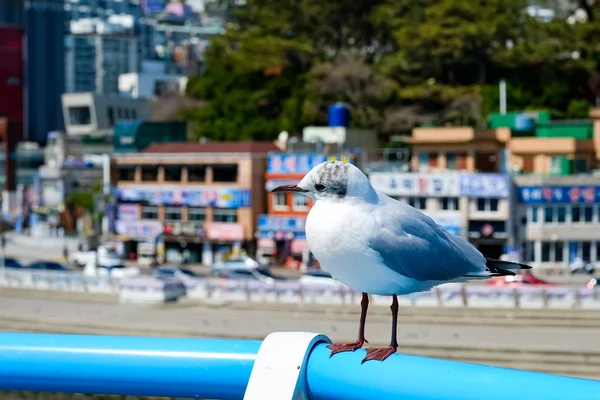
(377, 245)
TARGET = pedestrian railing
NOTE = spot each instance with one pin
(285, 366)
(152, 290)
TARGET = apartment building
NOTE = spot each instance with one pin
(197, 201)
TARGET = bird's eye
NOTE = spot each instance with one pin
(320, 187)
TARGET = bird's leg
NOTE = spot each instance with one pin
(342, 347)
(374, 353)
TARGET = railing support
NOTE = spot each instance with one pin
(282, 358)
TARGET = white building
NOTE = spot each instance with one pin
(152, 81)
(93, 113)
(97, 52)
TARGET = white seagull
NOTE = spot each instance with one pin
(377, 245)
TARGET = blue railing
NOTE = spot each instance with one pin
(221, 369)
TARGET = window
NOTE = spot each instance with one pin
(280, 201)
(559, 251)
(126, 172)
(548, 214)
(111, 116)
(423, 161)
(487, 204)
(545, 251)
(225, 215)
(150, 212)
(529, 252)
(172, 213)
(533, 214)
(576, 214)
(553, 251)
(300, 201)
(172, 174)
(225, 173)
(451, 162)
(197, 173)
(149, 173)
(79, 115)
(561, 214)
(449, 203)
(588, 213)
(420, 203)
(556, 164)
(196, 214)
(586, 251)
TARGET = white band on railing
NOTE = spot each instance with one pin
(279, 370)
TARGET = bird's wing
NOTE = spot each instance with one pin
(412, 244)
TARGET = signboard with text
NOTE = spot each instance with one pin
(416, 184)
(139, 229)
(559, 194)
(484, 185)
(187, 196)
(281, 224)
(286, 163)
(225, 232)
(184, 229)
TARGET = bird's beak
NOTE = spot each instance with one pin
(289, 188)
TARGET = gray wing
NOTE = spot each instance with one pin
(412, 244)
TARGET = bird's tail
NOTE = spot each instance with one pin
(498, 268)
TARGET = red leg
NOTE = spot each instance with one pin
(374, 353)
(342, 347)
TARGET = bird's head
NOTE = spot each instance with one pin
(333, 180)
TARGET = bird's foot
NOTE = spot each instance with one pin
(343, 347)
(379, 353)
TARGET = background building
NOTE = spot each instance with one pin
(200, 200)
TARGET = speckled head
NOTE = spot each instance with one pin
(332, 180)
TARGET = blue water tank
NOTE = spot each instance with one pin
(339, 115)
(524, 122)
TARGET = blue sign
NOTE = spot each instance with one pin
(289, 163)
(484, 185)
(199, 197)
(274, 223)
(559, 194)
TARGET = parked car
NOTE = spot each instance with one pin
(174, 272)
(11, 263)
(318, 277)
(115, 271)
(518, 281)
(48, 266)
(237, 264)
(105, 257)
(261, 274)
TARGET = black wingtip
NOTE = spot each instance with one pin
(504, 267)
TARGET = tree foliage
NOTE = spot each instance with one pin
(395, 63)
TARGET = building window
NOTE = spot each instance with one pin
(149, 173)
(553, 251)
(420, 203)
(197, 173)
(588, 213)
(280, 201)
(300, 201)
(225, 173)
(556, 164)
(126, 172)
(487, 204)
(449, 203)
(172, 214)
(529, 255)
(111, 116)
(533, 212)
(172, 174)
(225, 215)
(196, 214)
(150, 212)
(451, 161)
(559, 251)
(561, 214)
(545, 251)
(423, 161)
(548, 214)
(79, 115)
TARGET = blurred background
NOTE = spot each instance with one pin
(140, 139)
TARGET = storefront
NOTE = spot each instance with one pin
(281, 237)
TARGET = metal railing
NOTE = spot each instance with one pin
(293, 365)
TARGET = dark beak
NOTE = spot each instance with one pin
(288, 188)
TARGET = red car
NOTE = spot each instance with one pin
(518, 281)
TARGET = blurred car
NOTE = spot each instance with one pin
(48, 266)
(11, 263)
(174, 272)
(237, 264)
(103, 255)
(318, 277)
(114, 271)
(518, 281)
(261, 274)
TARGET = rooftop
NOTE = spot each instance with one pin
(212, 147)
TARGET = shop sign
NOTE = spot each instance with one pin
(224, 231)
(208, 196)
(484, 185)
(127, 212)
(184, 229)
(559, 194)
(416, 184)
(139, 228)
(290, 163)
(281, 224)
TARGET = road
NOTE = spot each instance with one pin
(213, 321)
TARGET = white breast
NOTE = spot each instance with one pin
(338, 235)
